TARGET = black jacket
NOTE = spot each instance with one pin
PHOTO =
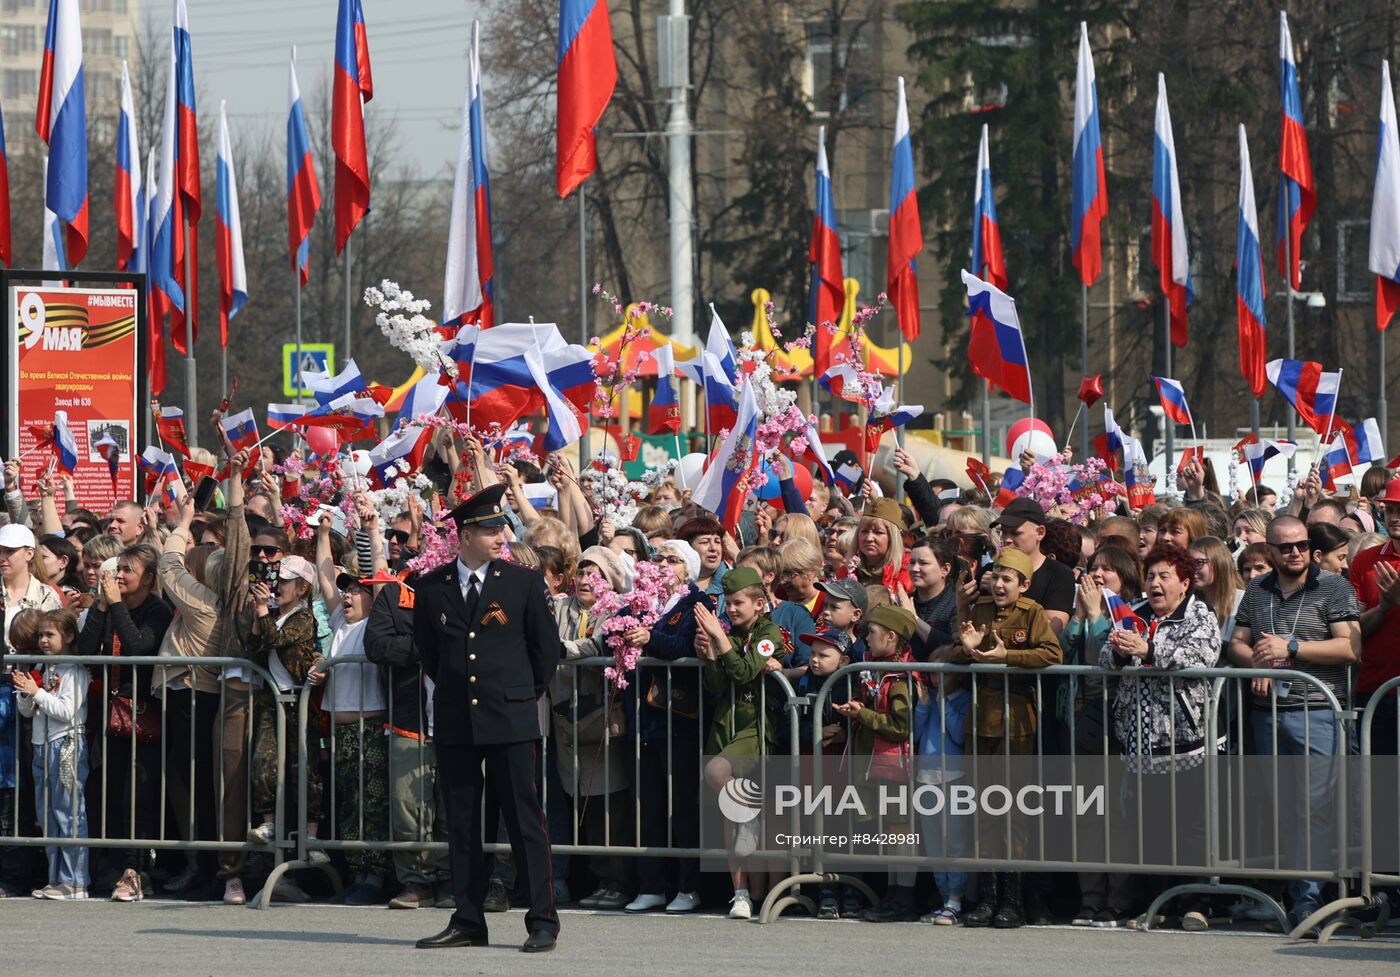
(672, 639)
(140, 630)
(389, 642)
(490, 671)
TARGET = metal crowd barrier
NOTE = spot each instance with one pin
(1225, 811)
(105, 825)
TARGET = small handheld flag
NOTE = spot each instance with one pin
(1173, 397)
(1311, 390)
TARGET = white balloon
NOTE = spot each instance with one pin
(1042, 444)
(691, 468)
(359, 461)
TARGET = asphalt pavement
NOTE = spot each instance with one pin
(181, 939)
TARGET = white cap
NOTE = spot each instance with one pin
(14, 536)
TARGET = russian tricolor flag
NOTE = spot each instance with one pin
(1109, 444)
(326, 386)
(1173, 397)
(906, 238)
(1384, 260)
(6, 250)
(1297, 194)
(497, 380)
(228, 233)
(1311, 391)
(1168, 223)
(664, 413)
(401, 453)
(168, 217)
(303, 193)
(1090, 194)
(827, 293)
(241, 428)
(1122, 613)
(468, 281)
(110, 452)
(721, 347)
(1257, 452)
(1366, 445)
(282, 416)
(997, 348)
(1249, 281)
(1336, 462)
(352, 87)
(843, 380)
(61, 121)
(816, 452)
(1011, 481)
(427, 397)
(65, 448)
(126, 196)
(718, 489)
(565, 422)
(587, 77)
(988, 260)
(161, 474)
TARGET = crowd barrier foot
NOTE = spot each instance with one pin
(1341, 909)
(263, 900)
(778, 900)
(1216, 888)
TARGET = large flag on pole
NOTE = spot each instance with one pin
(167, 258)
(1168, 223)
(61, 121)
(587, 77)
(53, 237)
(827, 297)
(228, 238)
(1297, 198)
(468, 281)
(6, 251)
(1249, 281)
(303, 193)
(906, 237)
(126, 196)
(187, 167)
(353, 87)
(997, 349)
(1384, 260)
(1090, 195)
(988, 260)
(155, 297)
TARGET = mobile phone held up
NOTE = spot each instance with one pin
(204, 493)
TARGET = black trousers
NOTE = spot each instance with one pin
(187, 712)
(670, 819)
(508, 771)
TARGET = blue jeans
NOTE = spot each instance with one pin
(951, 884)
(62, 811)
(1305, 732)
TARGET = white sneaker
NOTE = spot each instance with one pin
(233, 892)
(741, 906)
(1195, 921)
(645, 903)
(746, 839)
(685, 902)
(263, 834)
(316, 856)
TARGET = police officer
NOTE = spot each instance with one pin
(486, 636)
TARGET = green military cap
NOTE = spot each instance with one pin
(897, 619)
(1014, 559)
(886, 509)
(739, 578)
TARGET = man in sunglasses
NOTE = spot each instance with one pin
(1302, 619)
(403, 540)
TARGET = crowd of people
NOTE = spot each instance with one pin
(193, 751)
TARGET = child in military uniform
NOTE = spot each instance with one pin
(742, 729)
(880, 724)
(1004, 628)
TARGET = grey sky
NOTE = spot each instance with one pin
(417, 51)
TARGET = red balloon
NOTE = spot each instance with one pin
(322, 440)
(801, 480)
(1091, 389)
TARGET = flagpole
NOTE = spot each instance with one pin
(986, 423)
(345, 358)
(1069, 436)
(223, 371)
(1168, 434)
(582, 303)
(191, 402)
(1288, 298)
(899, 397)
(1380, 396)
(1254, 416)
(296, 289)
(1083, 365)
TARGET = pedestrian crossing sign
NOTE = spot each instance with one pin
(315, 358)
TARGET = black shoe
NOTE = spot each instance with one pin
(497, 898)
(1009, 915)
(897, 906)
(981, 914)
(540, 941)
(451, 937)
